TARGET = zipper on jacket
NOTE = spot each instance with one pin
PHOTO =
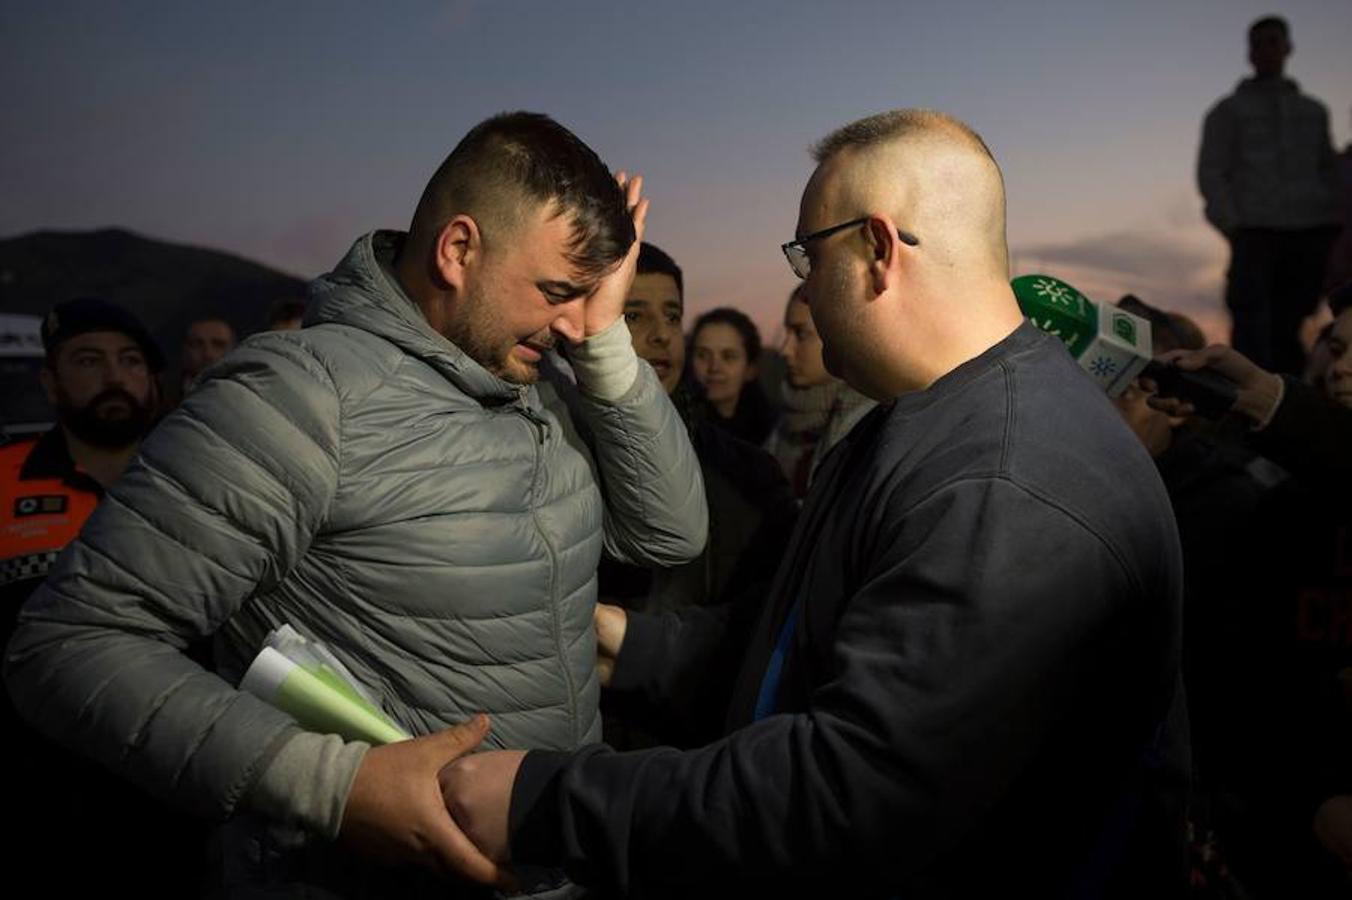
(541, 424)
(555, 600)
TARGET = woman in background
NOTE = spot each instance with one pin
(725, 348)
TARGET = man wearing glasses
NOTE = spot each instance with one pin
(962, 680)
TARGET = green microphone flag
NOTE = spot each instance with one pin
(1112, 345)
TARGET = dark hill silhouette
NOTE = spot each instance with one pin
(167, 285)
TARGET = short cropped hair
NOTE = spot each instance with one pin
(652, 260)
(887, 126)
(1276, 22)
(740, 322)
(508, 165)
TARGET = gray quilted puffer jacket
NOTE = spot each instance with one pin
(366, 482)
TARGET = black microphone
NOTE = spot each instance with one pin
(1210, 393)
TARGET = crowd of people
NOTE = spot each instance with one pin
(930, 617)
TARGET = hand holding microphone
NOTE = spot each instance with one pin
(1113, 346)
(1257, 392)
(1191, 391)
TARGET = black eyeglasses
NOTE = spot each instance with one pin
(796, 251)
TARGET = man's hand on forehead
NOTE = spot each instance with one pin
(606, 303)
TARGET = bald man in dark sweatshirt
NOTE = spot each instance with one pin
(965, 678)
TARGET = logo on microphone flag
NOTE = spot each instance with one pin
(1103, 367)
(1058, 309)
(1124, 327)
(1119, 352)
(1112, 346)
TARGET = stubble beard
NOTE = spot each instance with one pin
(480, 336)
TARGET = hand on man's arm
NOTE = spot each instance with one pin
(477, 792)
(395, 810)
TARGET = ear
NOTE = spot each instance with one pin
(458, 244)
(886, 253)
(752, 373)
(48, 383)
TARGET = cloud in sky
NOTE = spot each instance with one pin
(1175, 267)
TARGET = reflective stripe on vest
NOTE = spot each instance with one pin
(38, 516)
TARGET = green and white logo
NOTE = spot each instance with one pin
(1058, 309)
(1125, 328)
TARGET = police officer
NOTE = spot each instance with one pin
(99, 375)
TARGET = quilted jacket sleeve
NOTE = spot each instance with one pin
(222, 500)
(654, 492)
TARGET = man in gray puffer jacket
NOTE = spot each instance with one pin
(391, 481)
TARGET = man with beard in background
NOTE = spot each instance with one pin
(100, 378)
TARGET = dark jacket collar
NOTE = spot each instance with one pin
(50, 458)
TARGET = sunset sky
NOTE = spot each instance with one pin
(282, 131)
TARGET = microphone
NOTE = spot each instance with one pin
(1113, 346)
(1211, 394)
